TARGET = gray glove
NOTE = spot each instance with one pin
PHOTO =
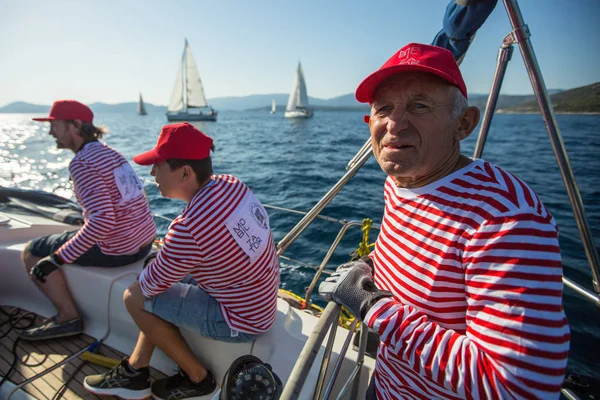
(352, 286)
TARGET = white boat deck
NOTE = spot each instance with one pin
(46, 354)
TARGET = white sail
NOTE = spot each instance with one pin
(195, 91)
(298, 97)
(273, 107)
(176, 103)
(141, 108)
(188, 98)
(302, 94)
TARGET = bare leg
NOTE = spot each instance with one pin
(162, 334)
(142, 353)
(55, 288)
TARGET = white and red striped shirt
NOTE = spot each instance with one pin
(116, 215)
(210, 241)
(474, 265)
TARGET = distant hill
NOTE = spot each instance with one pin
(256, 101)
(585, 99)
(21, 107)
(575, 100)
(100, 108)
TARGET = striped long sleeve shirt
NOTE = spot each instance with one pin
(474, 264)
(223, 239)
(116, 213)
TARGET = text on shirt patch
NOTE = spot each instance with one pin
(129, 184)
(249, 226)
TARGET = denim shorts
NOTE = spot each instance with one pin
(186, 305)
(46, 245)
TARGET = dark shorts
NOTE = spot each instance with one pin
(46, 245)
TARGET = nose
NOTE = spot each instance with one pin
(153, 170)
(397, 121)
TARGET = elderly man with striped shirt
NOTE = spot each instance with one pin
(118, 226)
(465, 282)
(217, 273)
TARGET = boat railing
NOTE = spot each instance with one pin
(520, 36)
(327, 257)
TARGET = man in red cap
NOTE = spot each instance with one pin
(118, 226)
(217, 273)
(464, 285)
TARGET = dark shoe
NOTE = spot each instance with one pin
(180, 386)
(120, 382)
(50, 329)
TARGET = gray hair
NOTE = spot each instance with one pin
(460, 103)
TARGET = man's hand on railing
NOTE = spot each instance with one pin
(352, 286)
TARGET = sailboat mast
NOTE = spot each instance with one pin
(184, 80)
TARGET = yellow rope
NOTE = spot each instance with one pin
(364, 246)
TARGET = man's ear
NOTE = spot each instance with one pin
(467, 122)
(186, 172)
(77, 125)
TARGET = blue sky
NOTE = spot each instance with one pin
(108, 50)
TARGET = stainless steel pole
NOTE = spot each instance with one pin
(521, 36)
(504, 56)
(309, 352)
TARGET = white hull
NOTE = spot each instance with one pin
(298, 114)
(90, 286)
(182, 116)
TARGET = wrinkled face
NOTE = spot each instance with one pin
(166, 179)
(412, 129)
(63, 132)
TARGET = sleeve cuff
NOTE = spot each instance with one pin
(378, 308)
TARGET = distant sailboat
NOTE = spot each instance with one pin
(297, 106)
(273, 107)
(141, 108)
(188, 101)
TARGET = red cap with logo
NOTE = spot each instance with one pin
(181, 141)
(64, 110)
(414, 57)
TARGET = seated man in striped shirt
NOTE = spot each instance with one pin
(466, 287)
(217, 273)
(118, 226)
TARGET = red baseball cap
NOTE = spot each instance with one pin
(181, 141)
(68, 110)
(414, 57)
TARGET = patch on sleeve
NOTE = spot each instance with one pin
(249, 226)
(129, 184)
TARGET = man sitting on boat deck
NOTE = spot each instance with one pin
(465, 287)
(217, 273)
(118, 226)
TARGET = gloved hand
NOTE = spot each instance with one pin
(45, 267)
(149, 258)
(352, 286)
